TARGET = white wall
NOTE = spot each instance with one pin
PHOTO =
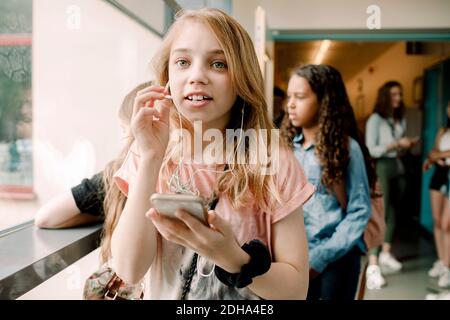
(344, 14)
(80, 75)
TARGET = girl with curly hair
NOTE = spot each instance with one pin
(320, 127)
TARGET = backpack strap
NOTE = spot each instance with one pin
(193, 267)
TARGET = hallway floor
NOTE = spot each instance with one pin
(415, 249)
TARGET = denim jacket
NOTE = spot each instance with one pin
(331, 232)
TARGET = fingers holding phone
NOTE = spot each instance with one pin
(168, 205)
(183, 219)
(407, 143)
(173, 230)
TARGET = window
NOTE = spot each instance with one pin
(16, 176)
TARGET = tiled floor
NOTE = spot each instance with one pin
(411, 284)
(415, 250)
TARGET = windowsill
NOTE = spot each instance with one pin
(30, 256)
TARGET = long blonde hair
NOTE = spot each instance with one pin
(114, 201)
(244, 180)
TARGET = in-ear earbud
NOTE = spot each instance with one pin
(167, 88)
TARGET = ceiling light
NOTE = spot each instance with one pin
(322, 51)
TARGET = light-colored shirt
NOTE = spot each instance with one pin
(166, 276)
(444, 144)
(331, 231)
(380, 133)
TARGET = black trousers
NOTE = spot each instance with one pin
(339, 280)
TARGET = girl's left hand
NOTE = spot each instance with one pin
(426, 165)
(217, 242)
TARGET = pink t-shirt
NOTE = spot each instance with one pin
(167, 275)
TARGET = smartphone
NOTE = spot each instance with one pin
(168, 204)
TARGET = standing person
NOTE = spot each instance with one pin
(440, 158)
(321, 134)
(209, 63)
(385, 138)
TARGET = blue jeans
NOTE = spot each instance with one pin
(339, 280)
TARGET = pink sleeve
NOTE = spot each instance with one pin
(292, 184)
(127, 172)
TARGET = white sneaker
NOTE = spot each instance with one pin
(388, 263)
(437, 270)
(445, 295)
(374, 279)
(444, 279)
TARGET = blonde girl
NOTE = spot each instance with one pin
(214, 78)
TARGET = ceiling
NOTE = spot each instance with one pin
(349, 57)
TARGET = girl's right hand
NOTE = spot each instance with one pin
(149, 126)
